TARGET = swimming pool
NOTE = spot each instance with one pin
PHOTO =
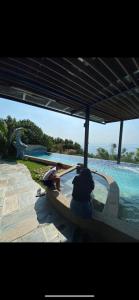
(100, 192)
(126, 175)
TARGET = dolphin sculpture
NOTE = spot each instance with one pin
(19, 145)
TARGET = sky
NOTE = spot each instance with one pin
(66, 127)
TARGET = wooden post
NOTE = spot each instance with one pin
(86, 125)
(120, 142)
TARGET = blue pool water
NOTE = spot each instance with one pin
(126, 175)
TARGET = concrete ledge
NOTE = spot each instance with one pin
(108, 230)
(46, 162)
(112, 204)
(111, 208)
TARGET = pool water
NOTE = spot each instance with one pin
(126, 175)
(99, 193)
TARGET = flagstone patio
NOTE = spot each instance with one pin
(23, 217)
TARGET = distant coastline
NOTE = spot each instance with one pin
(93, 148)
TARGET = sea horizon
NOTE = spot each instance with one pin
(92, 148)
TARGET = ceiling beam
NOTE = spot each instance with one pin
(125, 70)
(32, 74)
(68, 78)
(87, 75)
(52, 78)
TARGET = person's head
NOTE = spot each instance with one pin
(79, 168)
(58, 166)
(85, 173)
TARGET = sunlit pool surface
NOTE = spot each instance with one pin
(126, 175)
(101, 187)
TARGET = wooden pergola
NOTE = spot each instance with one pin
(98, 89)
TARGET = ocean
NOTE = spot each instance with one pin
(93, 148)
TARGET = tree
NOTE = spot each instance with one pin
(47, 142)
(113, 147)
(6, 133)
(77, 147)
(102, 153)
(57, 148)
(137, 155)
(3, 137)
(123, 151)
(113, 156)
(33, 135)
(123, 154)
(58, 141)
(11, 125)
(128, 157)
(91, 155)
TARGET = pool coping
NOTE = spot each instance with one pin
(109, 229)
(111, 206)
(106, 224)
(45, 161)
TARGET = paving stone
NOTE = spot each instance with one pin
(18, 240)
(1, 208)
(60, 238)
(3, 182)
(50, 232)
(16, 217)
(36, 235)
(17, 224)
(43, 210)
(1, 200)
(24, 215)
(55, 240)
(19, 230)
(26, 199)
(10, 204)
(9, 190)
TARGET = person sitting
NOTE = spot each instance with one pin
(83, 185)
(51, 178)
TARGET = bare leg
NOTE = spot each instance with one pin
(57, 181)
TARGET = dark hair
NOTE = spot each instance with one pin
(85, 174)
(79, 168)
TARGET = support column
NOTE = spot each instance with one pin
(86, 125)
(120, 142)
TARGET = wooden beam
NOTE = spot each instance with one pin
(51, 80)
(73, 82)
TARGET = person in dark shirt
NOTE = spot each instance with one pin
(83, 185)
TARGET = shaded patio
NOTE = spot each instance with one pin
(23, 217)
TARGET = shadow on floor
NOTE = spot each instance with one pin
(7, 161)
(47, 214)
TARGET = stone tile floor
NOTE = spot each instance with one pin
(23, 217)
